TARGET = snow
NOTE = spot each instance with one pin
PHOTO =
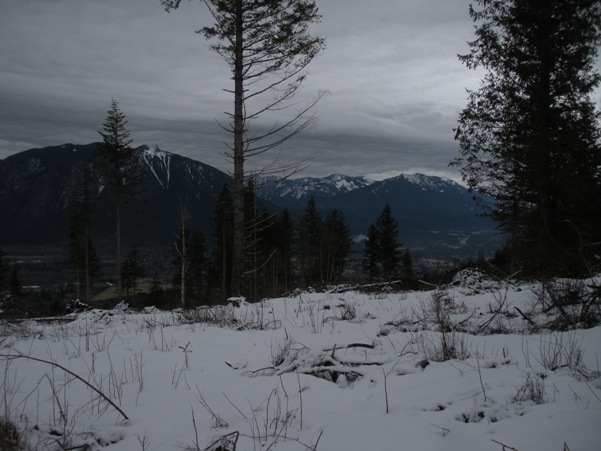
(186, 379)
(429, 182)
(152, 155)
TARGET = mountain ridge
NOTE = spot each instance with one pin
(435, 215)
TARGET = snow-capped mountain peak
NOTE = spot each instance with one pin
(302, 188)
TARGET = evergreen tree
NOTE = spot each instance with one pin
(370, 261)
(120, 172)
(308, 243)
(529, 136)
(382, 254)
(335, 243)
(284, 240)
(267, 45)
(388, 245)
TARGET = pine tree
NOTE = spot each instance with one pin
(284, 240)
(120, 172)
(335, 243)
(530, 136)
(370, 261)
(267, 45)
(308, 243)
(382, 255)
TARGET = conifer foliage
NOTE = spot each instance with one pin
(382, 256)
(120, 172)
(529, 136)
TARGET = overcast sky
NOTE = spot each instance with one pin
(395, 86)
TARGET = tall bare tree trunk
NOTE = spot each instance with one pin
(238, 243)
(87, 264)
(118, 250)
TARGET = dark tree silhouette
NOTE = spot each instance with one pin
(120, 172)
(529, 136)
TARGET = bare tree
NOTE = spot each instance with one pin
(267, 45)
(181, 247)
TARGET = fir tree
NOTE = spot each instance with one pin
(308, 243)
(388, 244)
(382, 254)
(284, 240)
(120, 172)
(529, 136)
(370, 261)
(335, 243)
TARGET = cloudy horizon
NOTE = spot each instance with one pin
(393, 81)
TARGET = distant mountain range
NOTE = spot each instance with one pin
(437, 217)
(36, 187)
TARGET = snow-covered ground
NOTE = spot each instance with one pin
(325, 371)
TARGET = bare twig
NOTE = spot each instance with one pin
(106, 398)
(505, 447)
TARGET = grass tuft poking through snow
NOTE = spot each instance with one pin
(477, 365)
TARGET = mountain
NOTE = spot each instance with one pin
(36, 187)
(294, 193)
(436, 216)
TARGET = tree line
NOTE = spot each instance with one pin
(281, 255)
(529, 137)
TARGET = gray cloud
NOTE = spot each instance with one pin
(395, 85)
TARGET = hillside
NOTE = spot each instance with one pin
(321, 371)
(36, 188)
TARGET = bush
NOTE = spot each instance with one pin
(10, 437)
(574, 303)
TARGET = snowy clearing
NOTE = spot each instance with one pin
(468, 367)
